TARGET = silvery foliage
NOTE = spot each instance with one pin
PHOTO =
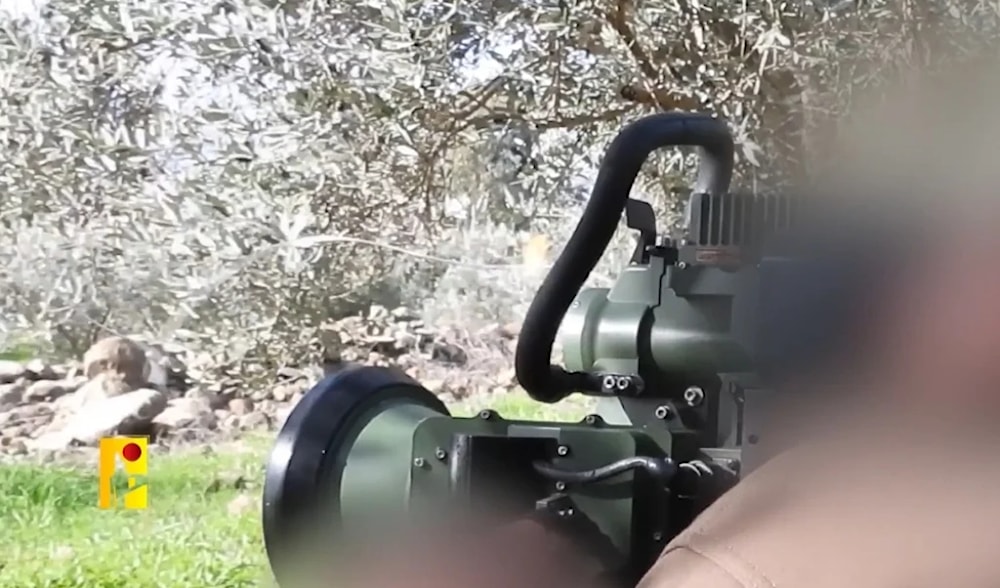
(241, 172)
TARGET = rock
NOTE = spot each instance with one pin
(403, 340)
(14, 432)
(32, 412)
(282, 392)
(120, 356)
(11, 371)
(197, 392)
(290, 373)
(189, 435)
(282, 415)
(48, 390)
(185, 413)
(402, 313)
(52, 441)
(435, 386)
(36, 369)
(506, 376)
(449, 353)
(166, 370)
(68, 403)
(510, 330)
(102, 386)
(10, 394)
(262, 394)
(268, 407)
(240, 406)
(158, 377)
(127, 413)
(13, 445)
(254, 420)
(72, 370)
(231, 421)
(215, 399)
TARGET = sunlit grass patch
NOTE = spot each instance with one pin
(191, 534)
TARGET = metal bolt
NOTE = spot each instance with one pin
(682, 265)
(441, 454)
(560, 486)
(608, 382)
(623, 383)
(486, 414)
(562, 450)
(753, 439)
(590, 419)
(657, 536)
(663, 412)
(694, 396)
(419, 462)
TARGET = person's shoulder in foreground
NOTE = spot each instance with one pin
(913, 515)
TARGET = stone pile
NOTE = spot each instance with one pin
(130, 385)
(457, 364)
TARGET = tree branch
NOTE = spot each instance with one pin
(638, 92)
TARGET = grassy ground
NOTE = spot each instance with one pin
(202, 527)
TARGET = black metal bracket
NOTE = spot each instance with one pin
(639, 216)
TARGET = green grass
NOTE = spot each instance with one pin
(52, 535)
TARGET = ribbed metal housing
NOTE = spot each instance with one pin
(733, 220)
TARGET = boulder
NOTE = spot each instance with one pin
(129, 413)
(119, 356)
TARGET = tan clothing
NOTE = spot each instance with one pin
(909, 514)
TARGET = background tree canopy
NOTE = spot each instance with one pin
(241, 172)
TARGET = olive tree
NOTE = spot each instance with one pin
(240, 173)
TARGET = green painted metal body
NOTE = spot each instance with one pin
(376, 480)
(658, 319)
(589, 447)
(398, 468)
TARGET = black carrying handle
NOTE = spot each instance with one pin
(618, 172)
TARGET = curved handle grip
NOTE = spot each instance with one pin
(618, 172)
